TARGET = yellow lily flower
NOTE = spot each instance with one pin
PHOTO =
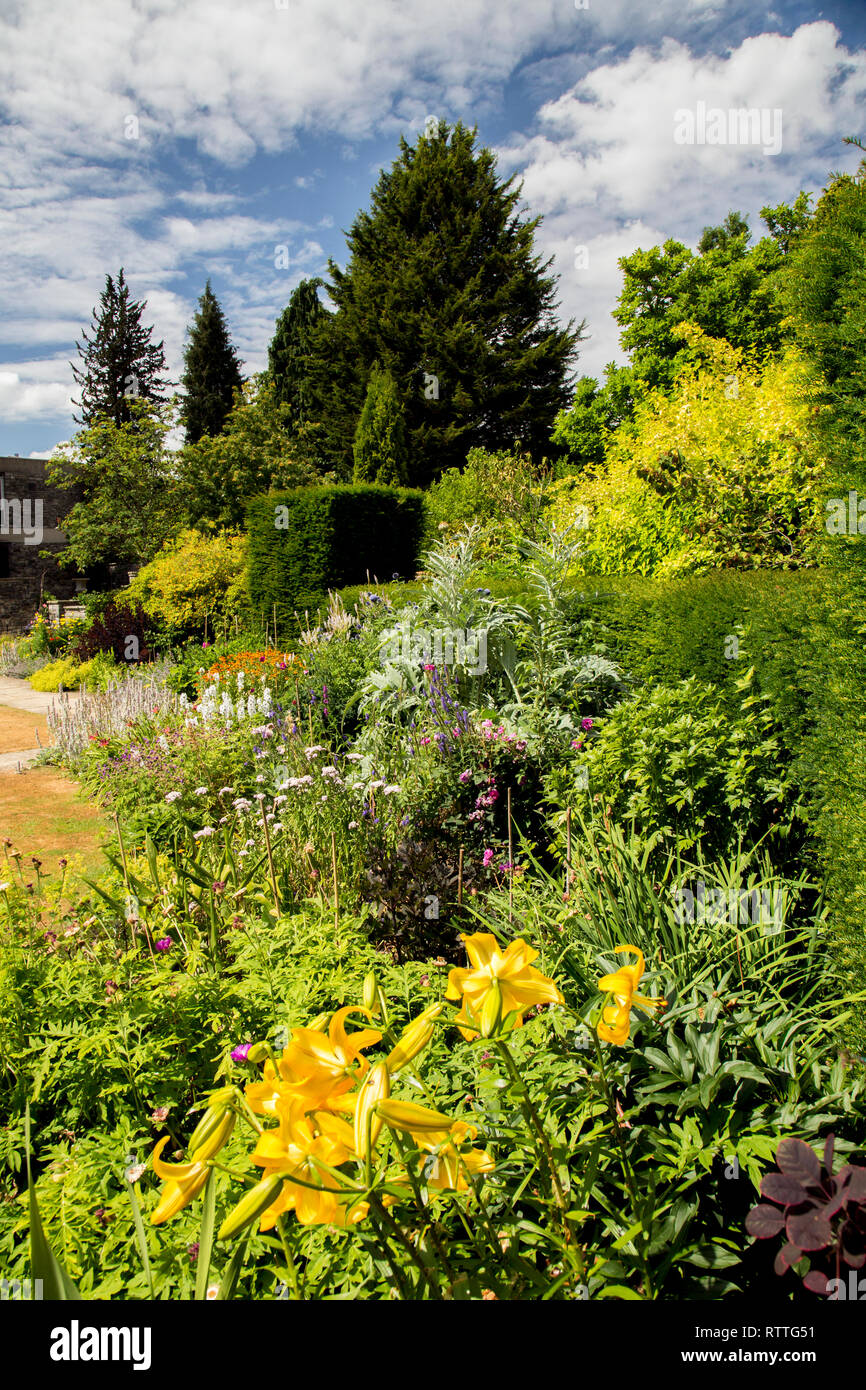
(615, 1021)
(376, 1086)
(447, 1171)
(520, 984)
(290, 1150)
(414, 1039)
(406, 1115)
(318, 1067)
(183, 1182)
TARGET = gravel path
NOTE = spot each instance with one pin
(21, 695)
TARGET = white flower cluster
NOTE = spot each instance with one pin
(216, 708)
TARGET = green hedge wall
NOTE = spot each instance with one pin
(327, 538)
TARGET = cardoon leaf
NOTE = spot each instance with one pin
(809, 1229)
(797, 1160)
(783, 1189)
(764, 1221)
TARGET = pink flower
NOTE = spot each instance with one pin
(240, 1053)
(586, 723)
(164, 944)
(488, 858)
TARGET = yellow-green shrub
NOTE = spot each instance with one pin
(193, 577)
(722, 472)
(66, 672)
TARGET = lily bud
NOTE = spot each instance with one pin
(320, 1023)
(251, 1206)
(211, 1133)
(491, 1011)
(406, 1115)
(371, 993)
(414, 1039)
(259, 1052)
(376, 1087)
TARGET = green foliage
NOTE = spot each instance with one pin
(212, 371)
(68, 673)
(723, 471)
(686, 766)
(442, 279)
(304, 542)
(729, 290)
(128, 495)
(380, 438)
(254, 452)
(585, 427)
(290, 347)
(504, 494)
(120, 366)
(194, 578)
(825, 295)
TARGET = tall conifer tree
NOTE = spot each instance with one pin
(444, 290)
(380, 440)
(212, 372)
(119, 362)
(289, 350)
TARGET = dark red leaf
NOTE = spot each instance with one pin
(828, 1152)
(784, 1190)
(809, 1229)
(798, 1161)
(853, 1246)
(856, 1182)
(839, 1197)
(787, 1256)
(763, 1222)
(815, 1281)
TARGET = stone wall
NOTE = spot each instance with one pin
(25, 575)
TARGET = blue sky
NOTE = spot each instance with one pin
(188, 139)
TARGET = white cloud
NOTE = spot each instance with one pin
(606, 172)
(212, 80)
(22, 399)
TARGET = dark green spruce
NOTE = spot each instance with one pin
(212, 371)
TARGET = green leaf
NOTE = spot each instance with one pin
(56, 1283)
(205, 1238)
(140, 1235)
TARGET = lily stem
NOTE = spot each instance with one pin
(534, 1121)
(626, 1166)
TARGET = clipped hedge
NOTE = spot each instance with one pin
(712, 626)
(311, 539)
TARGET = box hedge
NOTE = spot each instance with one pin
(311, 539)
